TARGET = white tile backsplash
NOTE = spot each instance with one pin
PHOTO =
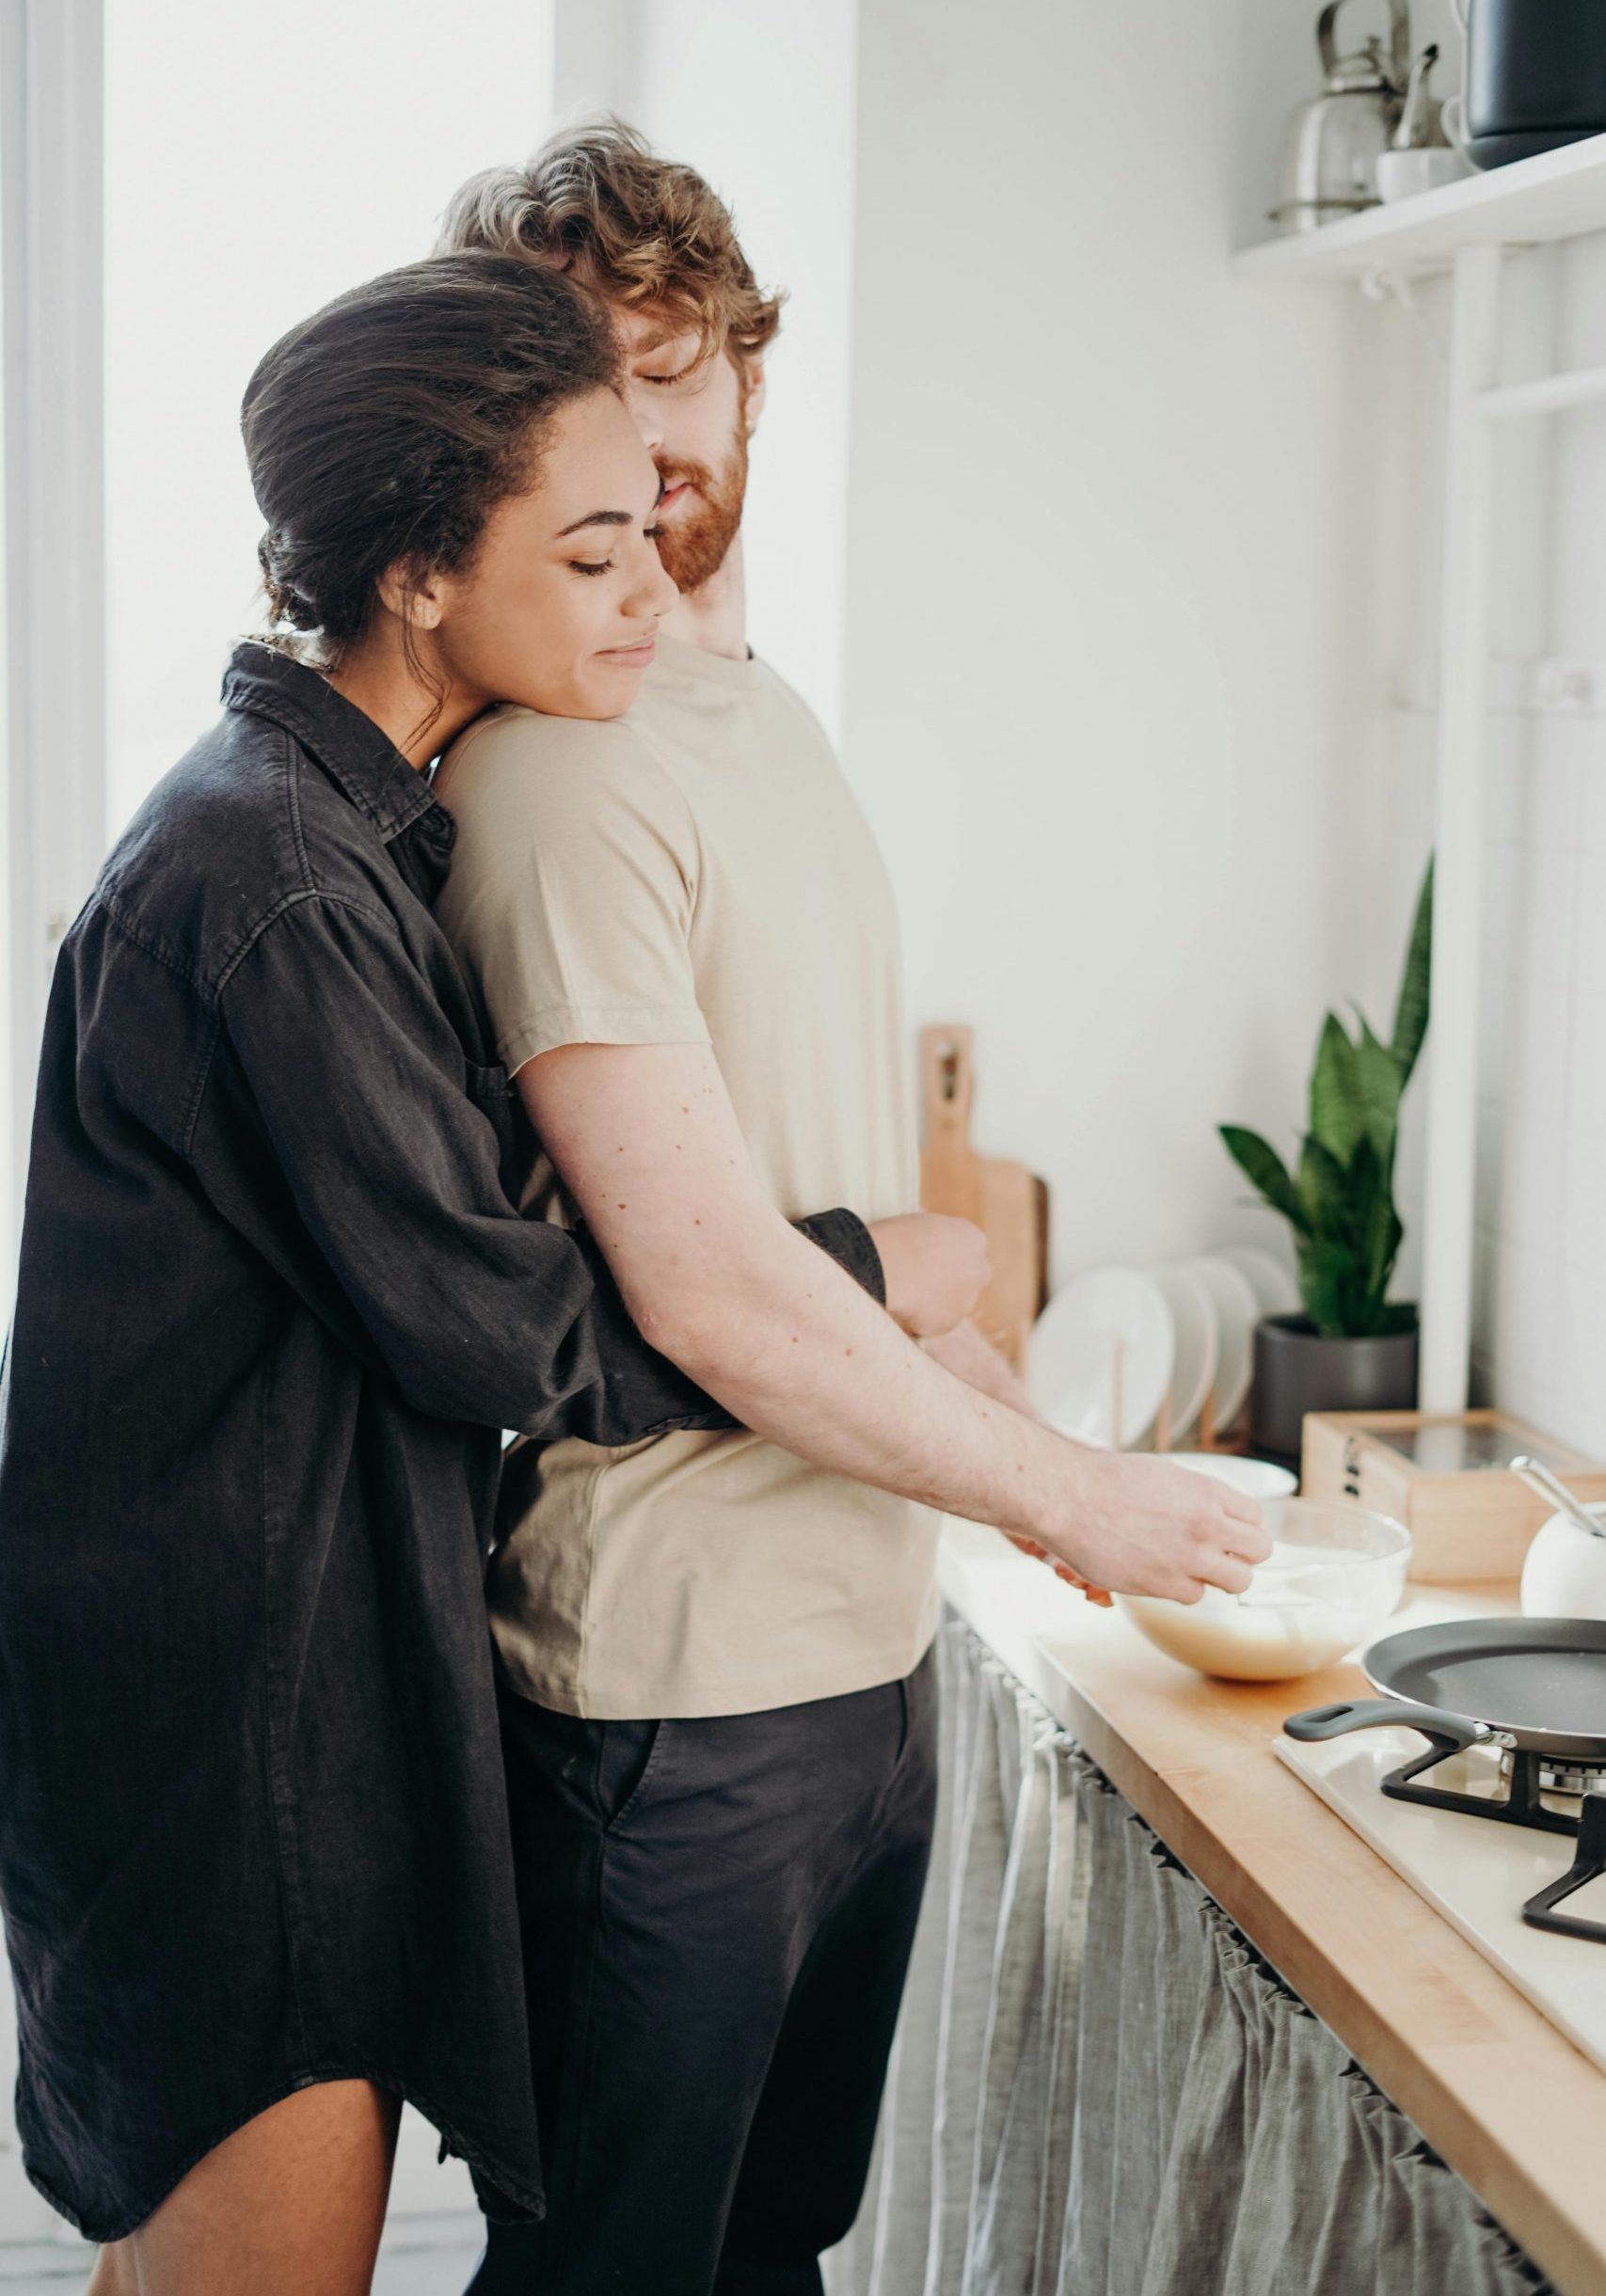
(1528, 1198)
(1586, 1067)
(1579, 1367)
(1537, 1050)
(1540, 1286)
(1527, 1335)
(1594, 822)
(1584, 1200)
(1539, 1297)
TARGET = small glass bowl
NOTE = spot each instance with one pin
(1336, 1572)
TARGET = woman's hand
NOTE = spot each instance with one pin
(1100, 1595)
(936, 1269)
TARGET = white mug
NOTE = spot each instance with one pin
(1453, 112)
(1453, 118)
(1401, 175)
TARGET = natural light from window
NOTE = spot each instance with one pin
(257, 163)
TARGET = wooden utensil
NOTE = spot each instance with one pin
(1006, 1200)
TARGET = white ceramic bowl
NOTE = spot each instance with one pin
(1258, 1478)
(1336, 1572)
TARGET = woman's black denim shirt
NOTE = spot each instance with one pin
(274, 1308)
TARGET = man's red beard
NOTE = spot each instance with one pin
(693, 548)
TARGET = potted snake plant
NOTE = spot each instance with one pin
(1353, 1348)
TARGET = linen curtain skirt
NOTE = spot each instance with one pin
(1099, 2089)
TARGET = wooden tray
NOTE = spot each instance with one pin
(1470, 1518)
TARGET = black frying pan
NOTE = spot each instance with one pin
(1533, 1683)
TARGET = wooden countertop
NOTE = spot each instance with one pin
(1495, 2088)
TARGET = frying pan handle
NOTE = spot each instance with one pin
(1449, 1730)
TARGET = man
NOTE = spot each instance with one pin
(715, 1651)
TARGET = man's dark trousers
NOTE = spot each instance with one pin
(717, 1919)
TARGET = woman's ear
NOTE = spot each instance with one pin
(755, 382)
(414, 594)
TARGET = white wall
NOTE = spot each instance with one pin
(759, 96)
(1112, 697)
(1140, 604)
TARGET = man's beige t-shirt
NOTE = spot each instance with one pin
(698, 872)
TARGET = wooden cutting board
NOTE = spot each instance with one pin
(1008, 1203)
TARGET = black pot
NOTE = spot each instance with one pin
(1535, 76)
(1296, 1370)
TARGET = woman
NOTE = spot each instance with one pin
(273, 1307)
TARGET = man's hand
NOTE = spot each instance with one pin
(936, 1269)
(1139, 1525)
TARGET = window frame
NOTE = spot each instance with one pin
(52, 268)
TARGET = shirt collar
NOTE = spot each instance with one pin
(345, 741)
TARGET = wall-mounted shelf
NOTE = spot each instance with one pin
(1560, 195)
(1466, 229)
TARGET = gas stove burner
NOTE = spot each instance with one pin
(1529, 1799)
(1535, 1785)
(1562, 1778)
(1532, 1690)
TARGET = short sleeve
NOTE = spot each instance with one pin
(573, 883)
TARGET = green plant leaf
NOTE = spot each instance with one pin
(1321, 1288)
(1381, 1232)
(1412, 1011)
(1342, 1204)
(1379, 1083)
(1354, 1239)
(1336, 1118)
(1378, 1237)
(1324, 1192)
(1266, 1170)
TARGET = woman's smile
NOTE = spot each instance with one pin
(638, 655)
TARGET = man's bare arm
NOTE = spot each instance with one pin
(648, 1145)
(969, 1355)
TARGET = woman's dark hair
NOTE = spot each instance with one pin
(384, 430)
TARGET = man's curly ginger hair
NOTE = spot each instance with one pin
(644, 233)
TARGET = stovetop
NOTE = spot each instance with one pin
(1478, 1875)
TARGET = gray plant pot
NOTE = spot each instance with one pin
(1296, 1370)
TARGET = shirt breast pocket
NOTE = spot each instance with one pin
(491, 1091)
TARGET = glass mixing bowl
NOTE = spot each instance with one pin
(1335, 1572)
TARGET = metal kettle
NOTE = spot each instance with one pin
(1334, 141)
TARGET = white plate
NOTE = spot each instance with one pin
(1237, 1311)
(1073, 1364)
(1258, 1478)
(1268, 1279)
(1199, 1345)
